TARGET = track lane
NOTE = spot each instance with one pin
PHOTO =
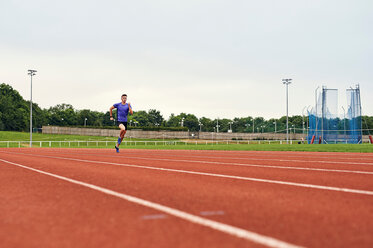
(40, 211)
(258, 199)
(323, 178)
(333, 161)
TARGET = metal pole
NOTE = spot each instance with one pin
(31, 73)
(322, 114)
(31, 114)
(303, 118)
(287, 113)
(307, 122)
(287, 82)
(316, 111)
(253, 126)
(344, 122)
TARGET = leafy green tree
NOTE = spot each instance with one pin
(154, 117)
(191, 122)
(242, 125)
(173, 121)
(207, 124)
(13, 108)
(62, 115)
(141, 117)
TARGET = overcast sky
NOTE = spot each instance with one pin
(211, 58)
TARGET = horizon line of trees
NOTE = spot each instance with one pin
(15, 116)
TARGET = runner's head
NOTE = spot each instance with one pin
(124, 98)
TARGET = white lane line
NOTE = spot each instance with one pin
(304, 185)
(256, 165)
(232, 230)
(281, 160)
(253, 158)
(235, 164)
(276, 154)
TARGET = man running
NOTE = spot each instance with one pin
(122, 112)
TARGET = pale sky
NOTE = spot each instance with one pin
(210, 58)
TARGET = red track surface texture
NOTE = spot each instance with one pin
(160, 198)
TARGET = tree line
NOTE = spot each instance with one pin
(15, 116)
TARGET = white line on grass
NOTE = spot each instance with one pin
(235, 231)
(304, 185)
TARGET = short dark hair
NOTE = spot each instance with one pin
(124, 95)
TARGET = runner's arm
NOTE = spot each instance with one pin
(130, 108)
(111, 112)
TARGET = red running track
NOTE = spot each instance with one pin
(160, 198)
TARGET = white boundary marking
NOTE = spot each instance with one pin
(235, 231)
(281, 160)
(304, 185)
(229, 163)
(256, 165)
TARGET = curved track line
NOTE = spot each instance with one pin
(235, 231)
(304, 185)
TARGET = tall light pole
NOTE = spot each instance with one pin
(200, 126)
(230, 126)
(217, 125)
(253, 124)
(247, 125)
(287, 82)
(344, 122)
(31, 73)
(85, 122)
(303, 118)
(182, 121)
(307, 121)
(275, 126)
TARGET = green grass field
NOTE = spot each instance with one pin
(40, 140)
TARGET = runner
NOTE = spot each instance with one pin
(122, 112)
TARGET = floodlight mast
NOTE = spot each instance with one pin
(287, 81)
(31, 73)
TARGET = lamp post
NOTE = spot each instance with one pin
(344, 122)
(230, 126)
(247, 125)
(275, 126)
(253, 124)
(303, 118)
(85, 121)
(31, 73)
(200, 126)
(217, 125)
(182, 121)
(287, 82)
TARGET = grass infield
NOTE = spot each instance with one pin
(62, 141)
